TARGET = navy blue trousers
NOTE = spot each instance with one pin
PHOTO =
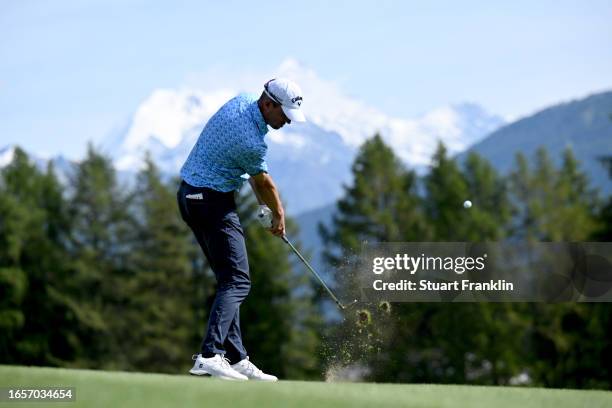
(212, 217)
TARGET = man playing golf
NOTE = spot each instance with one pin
(230, 147)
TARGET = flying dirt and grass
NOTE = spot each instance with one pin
(122, 389)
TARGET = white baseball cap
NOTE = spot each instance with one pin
(289, 95)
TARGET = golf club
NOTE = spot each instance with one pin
(311, 269)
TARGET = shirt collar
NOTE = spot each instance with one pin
(258, 118)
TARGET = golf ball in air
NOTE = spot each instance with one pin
(467, 204)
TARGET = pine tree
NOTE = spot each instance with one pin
(558, 205)
(380, 206)
(534, 197)
(577, 202)
(101, 231)
(446, 190)
(604, 230)
(158, 320)
(521, 186)
(489, 217)
(33, 265)
(13, 279)
(566, 359)
(457, 342)
(553, 205)
(58, 307)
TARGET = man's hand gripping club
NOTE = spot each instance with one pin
(270, 206)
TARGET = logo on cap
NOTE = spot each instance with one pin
(297, 99)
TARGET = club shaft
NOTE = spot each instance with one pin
(311, 269)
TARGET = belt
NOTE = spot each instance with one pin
(205, 191)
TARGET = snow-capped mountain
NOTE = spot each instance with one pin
(6, 155)
(310, 161)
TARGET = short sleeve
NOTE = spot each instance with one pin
(252, 160)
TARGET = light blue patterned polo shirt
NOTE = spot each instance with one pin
(231, 145)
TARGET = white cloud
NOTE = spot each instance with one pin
(283, 138)
(413, 139)
(167, 116)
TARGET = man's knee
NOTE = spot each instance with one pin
(239, 283)
(246, 287)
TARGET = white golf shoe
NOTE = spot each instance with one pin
(249, 369)
(216, 366)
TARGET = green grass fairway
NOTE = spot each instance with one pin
(120, 389)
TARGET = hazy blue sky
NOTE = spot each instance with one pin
(73, 71)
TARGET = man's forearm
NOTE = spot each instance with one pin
(260, 201)
(266, 193)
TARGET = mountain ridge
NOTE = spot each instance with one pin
(584, 125)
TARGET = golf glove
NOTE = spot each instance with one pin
(264, 216)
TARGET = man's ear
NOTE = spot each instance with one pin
(269, 105)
